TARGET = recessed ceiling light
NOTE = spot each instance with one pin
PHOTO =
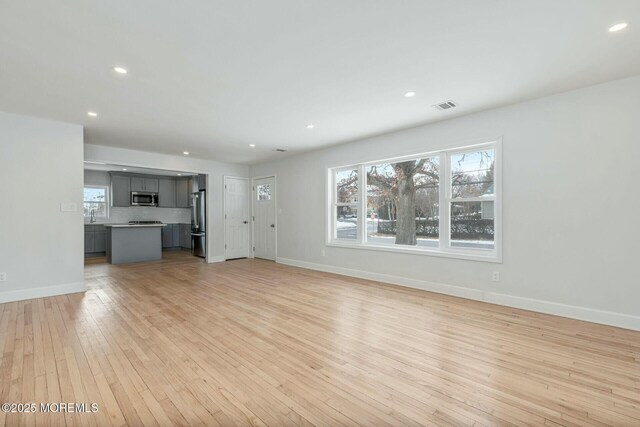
(410, 94)
(186, 153)
(179, 174)
(120, 70)
(92, 114)
(310, 126)
(252, 145)
(618, 27)
(124, 169)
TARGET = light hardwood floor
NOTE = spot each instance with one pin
(250, 342)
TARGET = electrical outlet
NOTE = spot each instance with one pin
(3, 277)
(322, 252)
(495, 276)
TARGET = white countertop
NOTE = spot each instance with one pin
(134, 225)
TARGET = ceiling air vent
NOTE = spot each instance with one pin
(280, 150)
(447, 105)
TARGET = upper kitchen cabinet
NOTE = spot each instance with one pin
(120, 190)
(172, 192)
(183, 192)
(149, 185)
(199, 183)
(137, 183)
(167, 193)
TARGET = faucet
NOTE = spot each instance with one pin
(93, 216)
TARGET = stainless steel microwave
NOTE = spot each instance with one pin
(144, 199)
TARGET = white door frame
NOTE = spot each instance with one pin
(224, 212)
(253, 212)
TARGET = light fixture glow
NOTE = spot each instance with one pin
(179, 174)
(310, 126)
(252, 145)
(410, 94)
(120, 70)
(92, 114)
(124, 169)
(618, 27)
(186, 153)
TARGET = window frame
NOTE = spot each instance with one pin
(334, 204)
(445, 199)
(106, 200)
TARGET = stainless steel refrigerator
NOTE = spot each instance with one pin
(198, 224)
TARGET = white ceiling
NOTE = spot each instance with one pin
(212, 77)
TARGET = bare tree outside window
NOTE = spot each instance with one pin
(404, 193)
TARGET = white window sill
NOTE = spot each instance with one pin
(483, 255)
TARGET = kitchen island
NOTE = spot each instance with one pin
(133, 242)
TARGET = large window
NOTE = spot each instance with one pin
(443, 203)
(96, 200)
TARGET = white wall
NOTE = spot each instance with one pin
(41, 248)
(120, 215)
(215, 171)
(564, 158)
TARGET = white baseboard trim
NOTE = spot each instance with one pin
(41, 292)
(213, 259)
(621, 320)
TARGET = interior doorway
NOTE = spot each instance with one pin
(264, 218)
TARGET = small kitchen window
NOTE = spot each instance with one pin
(96, 200)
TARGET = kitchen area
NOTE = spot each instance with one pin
(135, 214)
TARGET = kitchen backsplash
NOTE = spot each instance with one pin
(166, 215)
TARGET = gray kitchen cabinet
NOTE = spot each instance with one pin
(167, 236)
(175, 235)
(139, 183)
(167, 193)
(202, 182)
(88, 242)
(99, 241)
(182, 241)
(185, 236)
(151, 185)
(171, 236)
(172, 192)
(183, 193)
(120, 190)
(94, 239)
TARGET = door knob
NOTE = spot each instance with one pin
(273, 226)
